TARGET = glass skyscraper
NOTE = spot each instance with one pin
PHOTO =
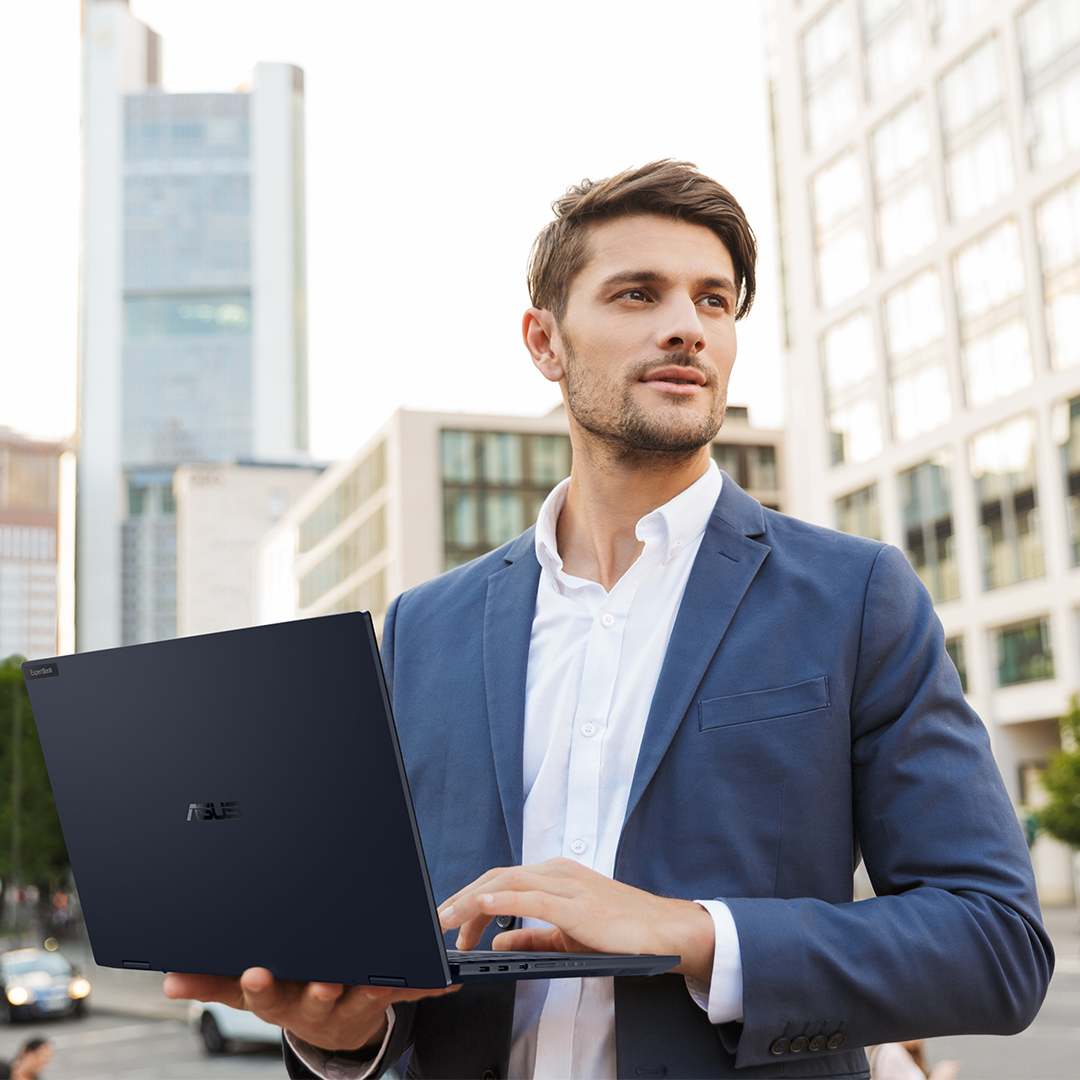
(193, 345)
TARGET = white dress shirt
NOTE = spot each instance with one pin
(594, 661)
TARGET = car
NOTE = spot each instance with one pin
(36, 983)
(218, 1025)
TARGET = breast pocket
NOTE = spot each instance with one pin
(764, 704)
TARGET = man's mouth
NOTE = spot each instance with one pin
(675, 379)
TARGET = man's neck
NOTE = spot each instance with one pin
(596, 531)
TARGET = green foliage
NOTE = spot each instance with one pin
(1061, 815)
(44, 855)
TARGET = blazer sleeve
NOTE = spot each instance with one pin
(953, 940)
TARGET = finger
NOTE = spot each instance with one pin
(223, 988)
(530, 939)
(447, 909)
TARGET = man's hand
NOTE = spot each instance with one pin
(327, 1015)
(587, 911)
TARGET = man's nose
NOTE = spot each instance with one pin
(681, 327)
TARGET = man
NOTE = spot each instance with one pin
(29, 1062)
(668, 721)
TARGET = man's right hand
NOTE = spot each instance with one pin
(327, 1015)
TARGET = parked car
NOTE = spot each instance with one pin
(218, 1025)
(36, 983)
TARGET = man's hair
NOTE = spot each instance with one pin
(674, 189)
(31, 1045)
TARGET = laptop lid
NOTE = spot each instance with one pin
(238, 799)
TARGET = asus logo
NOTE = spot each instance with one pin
(204, 811)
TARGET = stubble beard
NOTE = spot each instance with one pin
(627, 430)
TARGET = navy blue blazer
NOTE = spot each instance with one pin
(806, 712)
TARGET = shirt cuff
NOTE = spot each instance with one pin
(721, 997)
(331, 1065)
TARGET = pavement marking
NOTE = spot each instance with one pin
(1067, 965)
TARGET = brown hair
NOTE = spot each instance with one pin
(673, 189)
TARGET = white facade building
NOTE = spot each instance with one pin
(429, 491)
(928, 176)
(193, 332)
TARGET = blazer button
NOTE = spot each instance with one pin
(835, 1041)
(504, 922)
(779, 1047)
(818, 1042)
(799, 1044)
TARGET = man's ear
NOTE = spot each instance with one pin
(541, 335)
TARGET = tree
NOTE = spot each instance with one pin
(1060, 817)
(28, 820)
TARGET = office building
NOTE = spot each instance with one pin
(928, 174)
(222, 512)
(193, 334)
(430, 491)
(29, 545)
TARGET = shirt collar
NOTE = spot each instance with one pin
(673, 526)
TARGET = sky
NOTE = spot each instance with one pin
(437, 137)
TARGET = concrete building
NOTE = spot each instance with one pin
(193, 332)
(430, 491)
(222, 511)
(29, 545)
(928, 177)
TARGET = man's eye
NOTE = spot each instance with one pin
(635, 294)
(716, 302)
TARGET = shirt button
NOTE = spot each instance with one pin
(578, 847)
(588, 730)
(608, 620)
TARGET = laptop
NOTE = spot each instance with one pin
(239, 799)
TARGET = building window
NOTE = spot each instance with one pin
(356, 488)
(955, 648)
(147, 317)
(1022, 652)
(839, 239)
(850, 365)
(751, 467)
(1067, 425)
(1050, 50)
(494, 484)
(356, 549)
(926, 518)
(1058, 219)
(995, 349)
(914, 342)
(369, 595)
(1003, 466)
(949, 17)
(828, 83)
(978, 161)
(905, 203)
(857, 513)
(890, 44)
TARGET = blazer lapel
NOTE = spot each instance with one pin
(727, 562)
(508, 619)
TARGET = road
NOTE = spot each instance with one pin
(106, 1046)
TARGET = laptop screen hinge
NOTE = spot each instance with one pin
(386, 980)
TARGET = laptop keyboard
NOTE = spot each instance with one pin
(457, 956)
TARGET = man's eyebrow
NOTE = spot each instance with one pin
(648, 277)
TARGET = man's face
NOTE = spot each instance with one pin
(647, 342)
(33, 1062)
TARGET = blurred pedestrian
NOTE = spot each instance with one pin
(29, 1062)
(906, 1061)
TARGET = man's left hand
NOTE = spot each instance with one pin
(587, 912)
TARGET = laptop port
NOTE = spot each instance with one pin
(484, 968)
(504, 967)
(523, 967)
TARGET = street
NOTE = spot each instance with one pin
(108, 1046)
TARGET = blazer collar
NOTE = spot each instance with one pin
(726, 564)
